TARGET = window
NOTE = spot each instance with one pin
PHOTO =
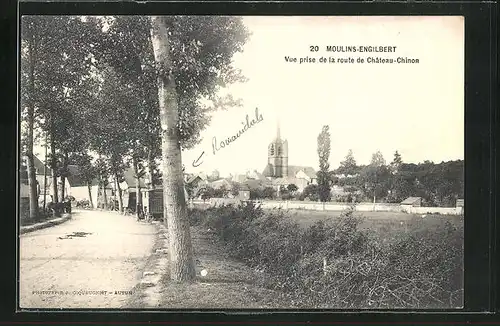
(271, 150)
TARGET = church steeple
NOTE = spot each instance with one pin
(277, 155)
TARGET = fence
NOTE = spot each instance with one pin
(361, 207)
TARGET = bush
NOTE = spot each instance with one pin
(287, 196)
(422, 268)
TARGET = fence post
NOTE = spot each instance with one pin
(324, 266)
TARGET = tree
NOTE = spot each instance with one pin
(324, 166)
(222, 192)
(268, 193)
(235, 189)
(207, 193)
(29, 34)
(348, 166)
(102, 171)
(311, 192)
(182, 265)
(377, 159)
(187, 59)
(181, 252)
(374, 177)
(292, 188)
(215, 175)
(60, 65)
(396, 163)
(87, 171)
(397, 183)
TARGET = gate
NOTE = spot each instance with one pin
(156, 202)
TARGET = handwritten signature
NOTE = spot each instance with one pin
(217, 146)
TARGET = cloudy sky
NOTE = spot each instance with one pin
(417, 109)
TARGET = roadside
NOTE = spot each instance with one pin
(228, 284)
(92, 261)
(45, 224)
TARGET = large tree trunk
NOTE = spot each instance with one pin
(104, 196)
(138, 194)
(120, 196)
(89, 187)
(45, 174)
(33, 194)
(63, 177)
(63, 187)
(55, 192)
(175, 212)
(151, 169)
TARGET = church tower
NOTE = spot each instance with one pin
(278, 156)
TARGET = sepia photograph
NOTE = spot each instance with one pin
(241, 162)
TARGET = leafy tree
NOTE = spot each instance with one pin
(57, 75)
(215, 175)
(192, 59)
(375, 177)
(208, 192)
(396, 162)
(324, 166)
(28, 102)
(87, 171)
(397, 183)
(311, 192)
(268, 193)
(222, 192)
(102, 171)
(377, 159)
(292, 188)
(348, 166)
(235, 189)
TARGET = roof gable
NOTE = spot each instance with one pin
(38, 164)
(294, 169)
(75, 179)
(410, 200)
(130, 179)
(267, 171)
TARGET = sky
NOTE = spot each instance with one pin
(416, 109)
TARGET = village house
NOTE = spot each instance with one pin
(39, 175)
(221, 183)
(410, 202)
(24, 193)
(129, 189)
(77, 187)
(198, 180)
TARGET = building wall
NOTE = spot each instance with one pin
(24, 191)
(80, 193)
(215, 202)
(302, 175)
(67, 187)
(301, 184)
(40, 179)
(362, 207)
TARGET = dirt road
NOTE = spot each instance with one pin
(91, 261)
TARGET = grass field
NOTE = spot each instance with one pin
(381, 224)
(373, 259)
